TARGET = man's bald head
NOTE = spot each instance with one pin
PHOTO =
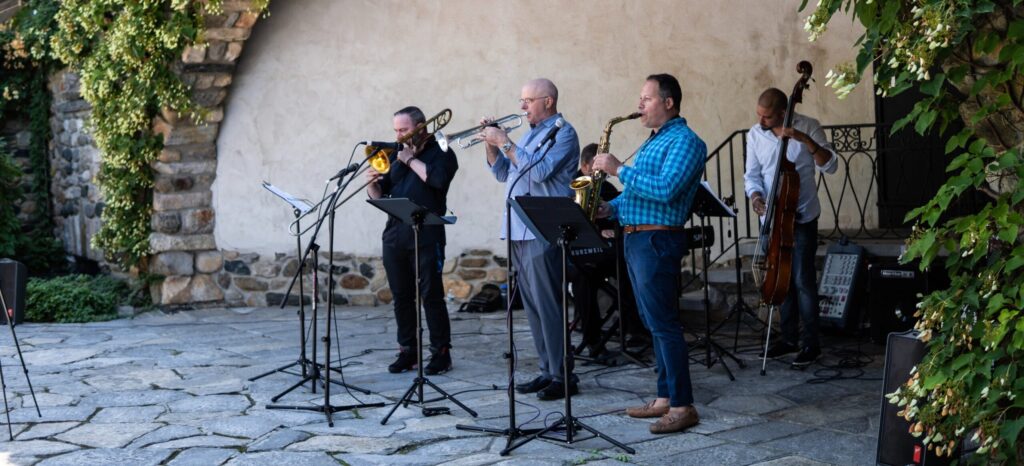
(773, 99)
(543, 86)
(539, 100)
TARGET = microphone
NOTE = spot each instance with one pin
(385, 145)
(345, 171)
(551, 134)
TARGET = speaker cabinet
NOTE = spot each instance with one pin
(12, 284)
(892, 298)
(896, 447)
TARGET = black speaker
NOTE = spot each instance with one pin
(892, 298)
(896, 447)
(12, 284)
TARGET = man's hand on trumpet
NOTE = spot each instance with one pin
(497, 140)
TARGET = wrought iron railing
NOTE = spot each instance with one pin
(850, 197)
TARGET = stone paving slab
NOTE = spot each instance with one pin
(172, 388)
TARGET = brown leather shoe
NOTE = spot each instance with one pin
(647, 410)
(676, 422)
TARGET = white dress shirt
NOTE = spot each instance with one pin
(762, 158)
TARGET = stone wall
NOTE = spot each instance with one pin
(17, 140)
(183, 216)
(74, 162)
(249, 279)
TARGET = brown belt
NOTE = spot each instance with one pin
(635, 228)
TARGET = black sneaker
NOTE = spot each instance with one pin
(406, 361)
(440, 362)
(806, 357)
(532, 386)
(780, 349)
(556, 391)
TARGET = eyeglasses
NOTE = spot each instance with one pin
(530, 100)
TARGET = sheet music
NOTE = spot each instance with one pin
(721, 204)
(301, 204)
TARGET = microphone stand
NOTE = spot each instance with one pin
(512, 432)
(315, 375)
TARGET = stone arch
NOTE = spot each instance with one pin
(183, 245)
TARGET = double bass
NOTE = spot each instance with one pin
(774, 268)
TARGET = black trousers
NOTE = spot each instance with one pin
(399, 263)
(591, 274)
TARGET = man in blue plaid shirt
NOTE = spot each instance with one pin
(655, 203)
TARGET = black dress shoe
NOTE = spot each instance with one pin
(806, 357)
(556, 391)
(779, 349)
(532, 386)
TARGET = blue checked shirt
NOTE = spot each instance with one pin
(660, 186)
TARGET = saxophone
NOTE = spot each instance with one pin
(588, 188)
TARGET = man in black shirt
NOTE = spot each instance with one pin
(421, 174)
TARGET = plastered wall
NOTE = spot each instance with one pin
(318, 76)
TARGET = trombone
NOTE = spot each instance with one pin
(381, 159)
(468, 138)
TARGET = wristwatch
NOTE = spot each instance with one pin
(506, 146)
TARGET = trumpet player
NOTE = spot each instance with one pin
(526, 169)
(422, 174)
(658, 192)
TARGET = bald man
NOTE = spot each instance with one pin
(530, 168)
(811, 155)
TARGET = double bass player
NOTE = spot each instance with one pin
(812, 154)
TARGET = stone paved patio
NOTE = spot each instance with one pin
(172, 389)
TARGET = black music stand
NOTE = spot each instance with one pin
(558, 220)
(416, 215)
(707, 204)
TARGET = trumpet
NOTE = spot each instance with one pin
(468, 138)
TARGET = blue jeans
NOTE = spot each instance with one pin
(803, 292)
(654, 259)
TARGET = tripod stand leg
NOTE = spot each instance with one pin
(7, 410)
(272, 371)
(293, 387)
(403, 400)
(449, 397)
(767, 337)
(604, 437)
(9, 315)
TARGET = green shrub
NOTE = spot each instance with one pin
(75, 298)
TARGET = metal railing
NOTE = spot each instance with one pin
(850, 197)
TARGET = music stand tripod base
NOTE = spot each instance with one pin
(416, 216)
(559, 220)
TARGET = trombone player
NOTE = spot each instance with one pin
(422, 173)
(526, 170)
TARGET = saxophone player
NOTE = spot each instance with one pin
(658, 192)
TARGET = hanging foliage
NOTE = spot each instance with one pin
(123, 51)
(966, 57)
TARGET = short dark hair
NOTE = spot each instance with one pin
(668, 86)
(588, 153)
(414, 113)
(773, 99)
